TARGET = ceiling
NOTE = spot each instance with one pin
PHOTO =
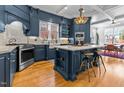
(97, 12)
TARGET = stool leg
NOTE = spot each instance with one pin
(81, 66)
(88, 70)
(93, 68)
(103, 63)
(97, 59)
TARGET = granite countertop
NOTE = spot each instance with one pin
(6, 49)
(77, 48)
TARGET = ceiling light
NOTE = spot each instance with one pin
(66, 7)
(81, 19)
(113, 21)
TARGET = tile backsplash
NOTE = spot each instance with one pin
(15, 30)
(2, 38)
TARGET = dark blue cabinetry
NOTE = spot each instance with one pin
(62, 63)
(10, 13)
(16, 11)
(7, 68)
(13, 64)
(2, 21)
(40, 52)
(43, 52)
(34, 23)
(45, 16)
(50, 52)
(3, 61)
(65, 27)
(67, 63)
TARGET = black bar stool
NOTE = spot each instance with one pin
(96, 58)
(87, 63)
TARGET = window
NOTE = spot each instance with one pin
(49, 32)
(114, 35)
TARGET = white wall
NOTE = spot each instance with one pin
(100, 32)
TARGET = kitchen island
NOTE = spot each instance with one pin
(68, 59)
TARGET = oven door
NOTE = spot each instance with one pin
(26, 55)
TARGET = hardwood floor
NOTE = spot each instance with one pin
(41, 74)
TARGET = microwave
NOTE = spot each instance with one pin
(79, 38)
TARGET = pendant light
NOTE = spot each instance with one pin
(81, 19)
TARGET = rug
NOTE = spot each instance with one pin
(120, 54)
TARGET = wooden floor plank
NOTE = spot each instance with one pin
(42, 74)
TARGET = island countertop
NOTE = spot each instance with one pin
(78, 48)
(6, 49)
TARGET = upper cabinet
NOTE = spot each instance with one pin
(2, 19)
(2, 26)
(45, 16)
(18, 11)
(10, 13)
(31, 17)
(34, 22)
(65, 27)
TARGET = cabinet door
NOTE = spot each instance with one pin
(2, 71)
(12, 70)
(34, 23)
(51, 53)
(40, 53)
(12, 65)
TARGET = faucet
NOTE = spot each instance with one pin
(12, 41)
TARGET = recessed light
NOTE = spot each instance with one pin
(83, 11)
(66, 7)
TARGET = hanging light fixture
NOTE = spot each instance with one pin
(81, 19)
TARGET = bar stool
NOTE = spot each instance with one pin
(96, 58)
(87, 63)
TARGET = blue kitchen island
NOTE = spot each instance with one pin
(68, 59)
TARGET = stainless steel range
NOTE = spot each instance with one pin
(25, 56)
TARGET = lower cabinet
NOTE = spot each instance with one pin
(67, 63)
(61, 63)
(3, 61)
(43, 52)
(13, 64)
(50, 53)
(40, 53)
(7, 68)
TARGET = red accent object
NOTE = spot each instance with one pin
(111, 49)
